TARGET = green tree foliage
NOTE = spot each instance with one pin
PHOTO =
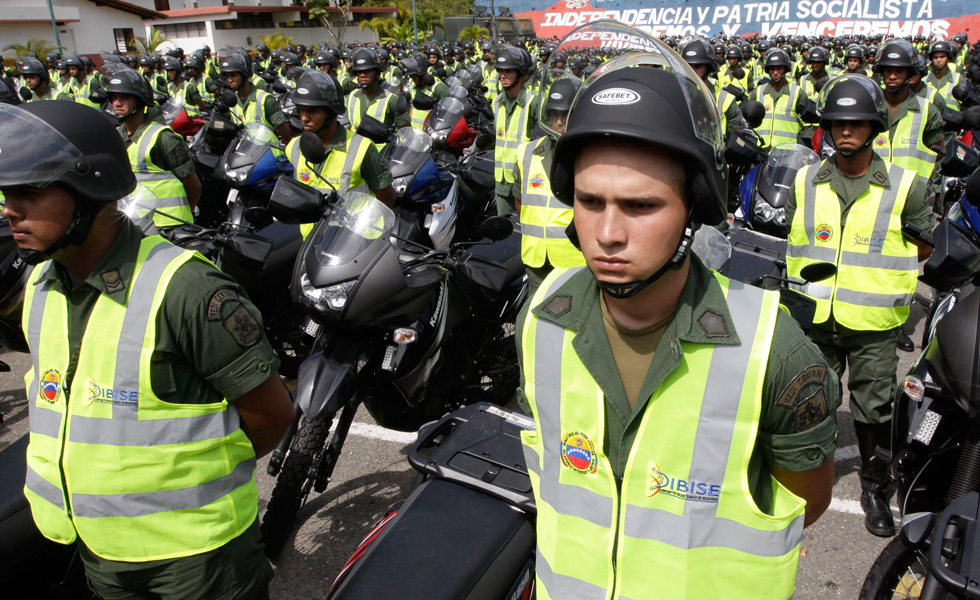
(41, 47)
(333, 20)
(150, 45)
(277, 40)
(475, 33)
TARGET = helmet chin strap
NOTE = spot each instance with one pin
(629, 289)
(75, 235)
(850, 154)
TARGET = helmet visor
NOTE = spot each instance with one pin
(51, 155)
(639, 49)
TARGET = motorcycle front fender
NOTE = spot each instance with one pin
(324, 385)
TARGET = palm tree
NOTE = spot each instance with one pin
(41, 47)
(474, 32)
(277, 40)
(148, 46)
(381, 26)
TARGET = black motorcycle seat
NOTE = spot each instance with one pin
(447, 542)
(13, 472)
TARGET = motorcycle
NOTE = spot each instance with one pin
(410, 335)
(934, 455)
(468, 523)
(765, 189)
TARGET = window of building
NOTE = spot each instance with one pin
(125, 41)
(183, 30)
(161, 4)
(247, 21)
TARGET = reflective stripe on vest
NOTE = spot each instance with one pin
(781, 125)
(511, 133)
(543, 218)
(171, 197)
(947, 89)
(683, 508)
(256, 124)
(146, 480)
(723, 101)
(202, 89)
(341, 169)
(910, 152)
(377, 109)
(181, 95)
(876, 276)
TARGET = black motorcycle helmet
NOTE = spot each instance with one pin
(942, 46)
(127, 81)
(734, 52)
(777, 57)
(853, 98)
(8, 92)
(32, 66)
(67, 146)
(289, 59)
(171, 64)
(412, 66)
(854, 51)
(194, 62)
(364, 60)
(817, 54)
(261, 47)
(325, 57)
(561, 93)
(510, 57)
(235, 63)
(896, 53)
(653, 97)
(316, 88)
(696, 51)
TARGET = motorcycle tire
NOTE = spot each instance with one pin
(293, 484)
(898, 572)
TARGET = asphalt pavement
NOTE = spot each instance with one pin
(373, 474)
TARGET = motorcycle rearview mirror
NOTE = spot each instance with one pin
(311, 148)
(229, 98)
(279, 87)
(428, 80)
(294, 203)
(818, 271)
(738, 72)
(373, 129)
(268, 77)
(159, 98)
(485, 141)
(972, 192)
(248, 248)
(754, 113)
(26, 94)
(97, 97)
(971, 118)
(423, 101)
(961, 91)
(295, 125)
(497, 228)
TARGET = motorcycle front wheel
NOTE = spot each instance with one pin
(293, 484)
(897, 573)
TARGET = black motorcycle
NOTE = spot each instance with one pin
(411, 333)
(935, 443)
(468, 524)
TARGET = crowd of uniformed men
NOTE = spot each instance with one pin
(716, 417)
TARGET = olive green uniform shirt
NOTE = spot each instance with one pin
(800, 396)
(849, 189)
(169, 152)
(503, 189)
(933, 133)
(398, 117)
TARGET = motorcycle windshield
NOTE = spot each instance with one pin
(712, 247)
(171, 108)
(411, 148)
(446, 114)
(784, 163)
(355, 224)
(252, 144)
(139, 206)
(458, 92)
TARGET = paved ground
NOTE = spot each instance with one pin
(373, 474)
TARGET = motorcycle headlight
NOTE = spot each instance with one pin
(239, 175)
(401, 184)
(332, 297)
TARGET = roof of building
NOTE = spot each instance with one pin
(131, 8)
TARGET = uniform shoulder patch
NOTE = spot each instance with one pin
(113, 281)
(217, 301)
(713, 324)
(558, 306)
(243, 327)
(880, 177)
(810, 412)
(811, 374)
(823, 174)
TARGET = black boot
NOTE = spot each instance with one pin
(874, 478)
(905, 343)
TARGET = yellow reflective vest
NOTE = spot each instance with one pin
(543, 218)
(781, 125)
(682, 524)
(877, 267)
(382, 104)
(171, 197)
(511, 133)
(946, 90)
(907, 149)
(342, 169)
(135, 478)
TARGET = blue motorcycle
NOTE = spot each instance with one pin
(765, 189)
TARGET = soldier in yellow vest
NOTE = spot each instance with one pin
(206, 87)
(158, 156)
(697, 53)
(35, 77)
(784, 102)
(544, 243)
(152, 391)
(256, 109)
(685, 428)
(728, 74)
(849, 211)
(422, 83)
(371, 98)
(942, 77)
(351, 163)
(80, 86)
(183, 92)
(515, 112)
